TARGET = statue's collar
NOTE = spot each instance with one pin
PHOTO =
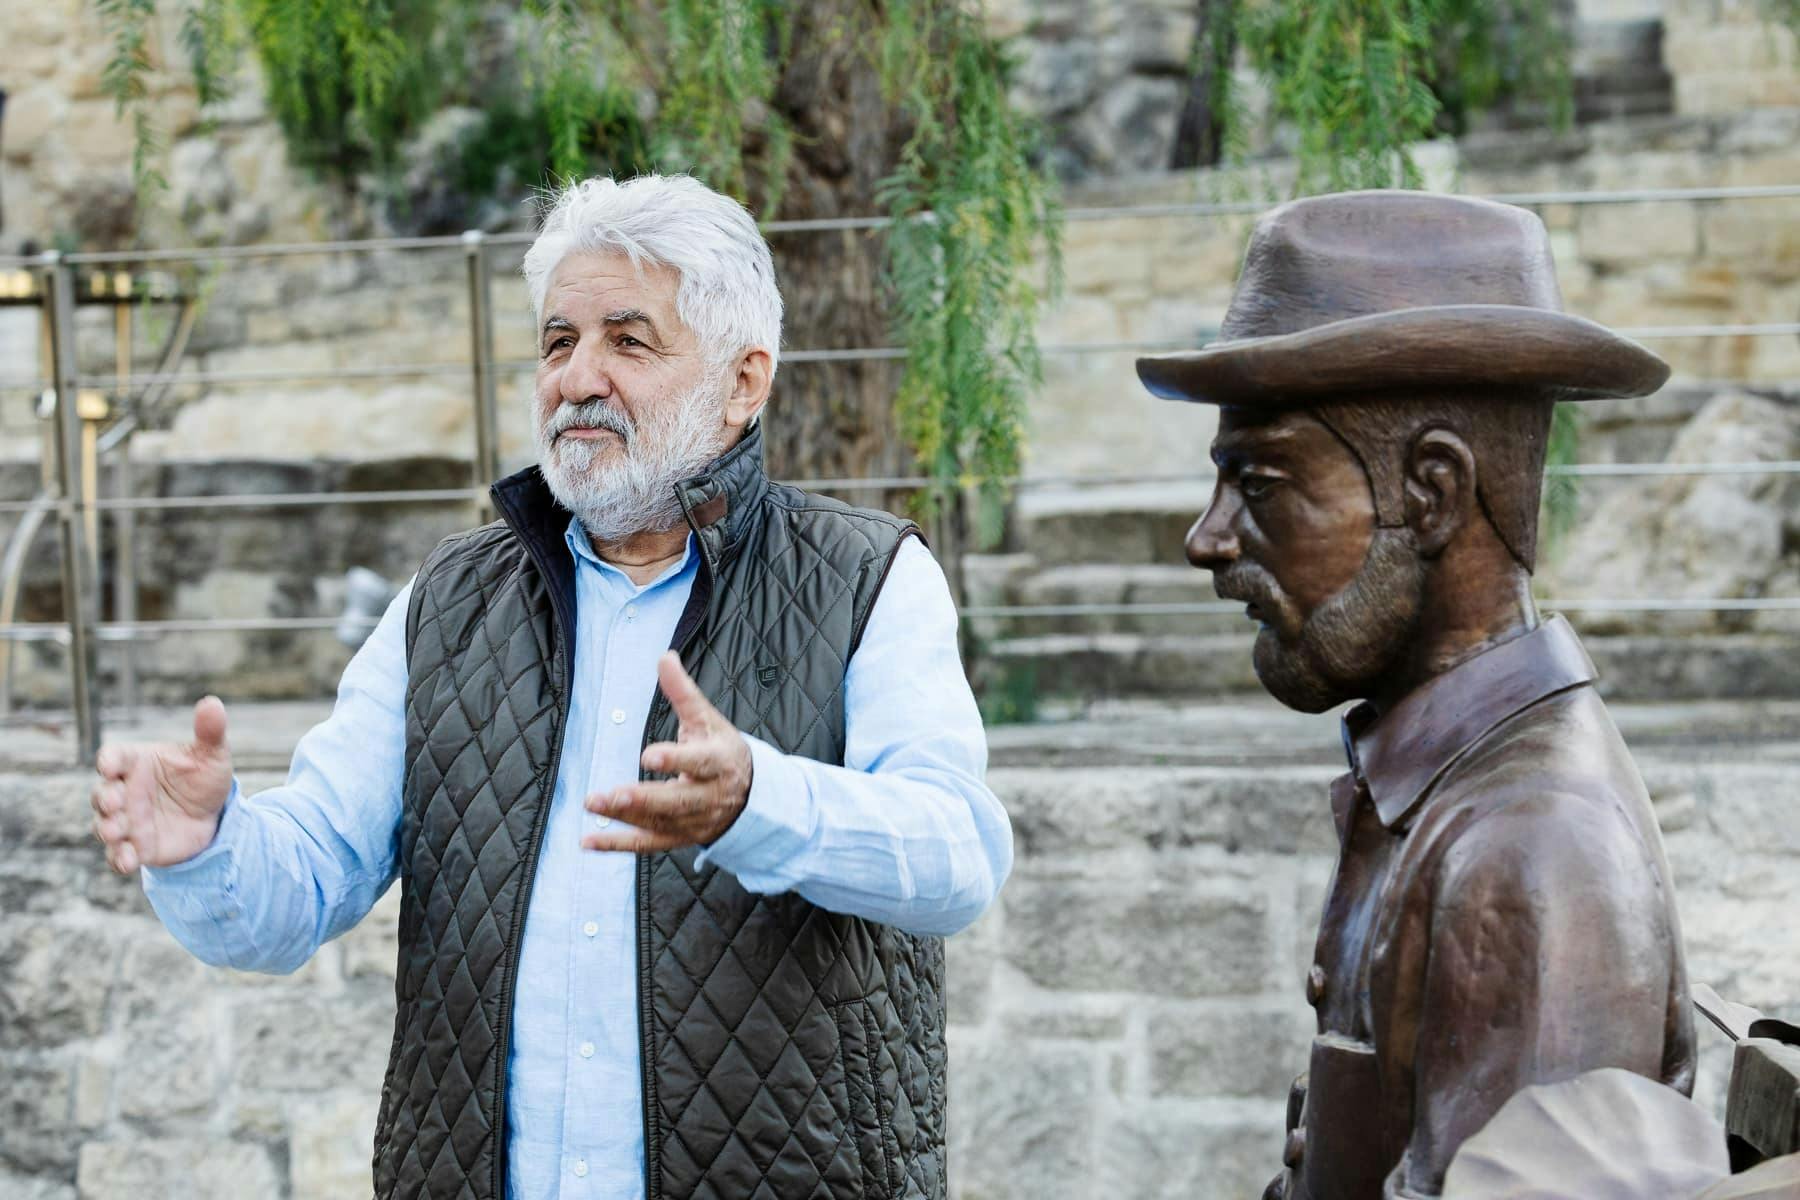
(1401, 754)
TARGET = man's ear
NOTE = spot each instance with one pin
(751, 378)
(1440, 489)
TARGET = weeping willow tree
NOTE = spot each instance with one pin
(842, 108)
(813, 113)
(1361, 82)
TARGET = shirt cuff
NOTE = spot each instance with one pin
(203, 887)
(763, 846)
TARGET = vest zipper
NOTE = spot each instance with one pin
(513, 949)
(685, 629)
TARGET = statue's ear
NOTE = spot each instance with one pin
(1440, 488)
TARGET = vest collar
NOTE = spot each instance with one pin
(719, 504)
(722, 500)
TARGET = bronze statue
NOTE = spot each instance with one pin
(1501, 913)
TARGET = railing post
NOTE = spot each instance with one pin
(80, 593)
(481, 356)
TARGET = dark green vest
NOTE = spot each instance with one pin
(788, 1052)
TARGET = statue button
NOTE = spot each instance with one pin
(1315, 985)
(1294, 1151)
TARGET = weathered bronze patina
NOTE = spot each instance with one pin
(1501, 913)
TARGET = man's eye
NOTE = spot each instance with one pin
(626, 340)
(558, 343)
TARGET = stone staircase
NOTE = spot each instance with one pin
(1089, 552)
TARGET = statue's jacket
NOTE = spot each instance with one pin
(787, 1051)
(1501, 915)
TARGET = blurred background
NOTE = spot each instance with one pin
(263, 343)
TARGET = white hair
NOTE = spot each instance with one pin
(727, 294)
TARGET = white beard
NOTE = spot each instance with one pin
(634, 490)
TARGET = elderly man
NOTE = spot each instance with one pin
(677, 766)
(1501, 914)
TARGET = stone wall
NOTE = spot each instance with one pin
(1124, 1022)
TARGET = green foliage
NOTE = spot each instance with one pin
(719, 70)
(970, 212)
(1361, 81)
(1562, 493)
(350, 80)
(124, 78)
(528, 140)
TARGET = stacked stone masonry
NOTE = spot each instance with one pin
(1124, 1022)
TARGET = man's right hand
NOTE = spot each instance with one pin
(158, 803)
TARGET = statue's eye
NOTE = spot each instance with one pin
(1255, 487)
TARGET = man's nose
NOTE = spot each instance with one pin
(1211, 545)
(585, 378)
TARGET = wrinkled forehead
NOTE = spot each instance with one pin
(608, 280)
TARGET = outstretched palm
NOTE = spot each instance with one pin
(158, 803)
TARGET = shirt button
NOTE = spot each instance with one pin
(591, 928)
(601, 821)
(618, 716)
(1315, 985)
(580, 1167)
(586, 1050)
(631, 612)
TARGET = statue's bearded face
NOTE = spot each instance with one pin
(1291, 531)
(626, 403)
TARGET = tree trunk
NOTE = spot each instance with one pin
(1199, 130)
(835, 419)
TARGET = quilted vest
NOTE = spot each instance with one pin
(787, 1051)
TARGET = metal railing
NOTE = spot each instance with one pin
(77, 505)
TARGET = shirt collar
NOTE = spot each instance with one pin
(583, 549)
(1399, 755)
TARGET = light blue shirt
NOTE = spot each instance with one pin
(906, 833)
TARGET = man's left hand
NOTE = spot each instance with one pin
(711, 763)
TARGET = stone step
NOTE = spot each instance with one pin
(1120, 523)
(1084, 669)
(1104, 586)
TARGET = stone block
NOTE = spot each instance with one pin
(192, 1168)
(170, 1069)
(1022, 1117)
(41, 812)
(37, 1186)
(1618, 234)
(1133, 933)
(1086, 1018)
(1105, 258)
(1157, 1151)
(32, 116)
(371, 948)
(970, 960)
(1205, 1052)
(55, 982)
(1752, 234)
(35, 1133)
(93, 132)
(328, 1153)
(296, 1043)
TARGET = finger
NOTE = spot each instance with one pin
(639, 841)
(690, 703)
(665, 807)
(110, 830)
(122, 857)
(115, 761)
(106, 797)
(707, 758)
(209, 726)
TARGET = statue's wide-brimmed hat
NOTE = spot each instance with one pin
(1372, 291)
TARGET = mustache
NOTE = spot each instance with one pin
(592, 415)
(1244, 584)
